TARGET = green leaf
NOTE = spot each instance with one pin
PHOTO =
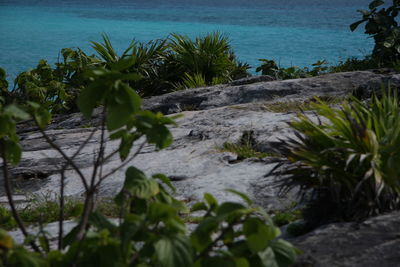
(13, 151)
(17, 112)
(198, 206)
(40, 114)
(241, 195)
(354, 25)
(101, 222)
(160, 211)
(90, 97)
(375, 4)
(241, 262)
(138, 185)
(267, 258)
(285, 253)
(131, 225)
(122, 105)
(201, 236)
(258, 234)
(24, 258)
(174, 251)
(123, 63)
(153, 126)
(211, 200)
(44, 243)
(165, 180)
(227, 208)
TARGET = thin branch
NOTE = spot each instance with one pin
(68, 159)
(61, 214)
(7, 186)
(90, 192)
(121, 165)
(62, 188)
(100, 156)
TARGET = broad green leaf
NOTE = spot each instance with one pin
(227, 208)
(241, 262)
(90, 97)
(138, 185)
(163, 178)
(24, 258)
(13, 151)
(201, 236)
(6, 241)
(160, 211)
(174, 251)
(101, 222)
(241, 195)
(258, 234)
(17, 112)
(198, 206)
(354, 25)
(285, 253)
(267, 258)
(122, 105)
(211, 200)
(375, 4)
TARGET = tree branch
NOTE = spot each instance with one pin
(68, 159)
(7, 187)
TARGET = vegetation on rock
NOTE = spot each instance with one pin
(383, 27)
(345, 167)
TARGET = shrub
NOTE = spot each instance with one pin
(353, 64)
(6, 219)
(382, 25)
(209, 56)
(161, 66)
(3, 83)
(270, 67)
(345, 167)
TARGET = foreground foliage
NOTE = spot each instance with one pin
(346, 168)
(382, 25)
(150, 230)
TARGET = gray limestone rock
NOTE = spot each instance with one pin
(375, 242)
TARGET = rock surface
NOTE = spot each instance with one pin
(196, 164)
(375, 242)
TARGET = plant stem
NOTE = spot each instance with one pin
(68, 159)
(7, 186)
(62, 189)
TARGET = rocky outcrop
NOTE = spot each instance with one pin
(196, 164)
(375, 242)
(213, 115)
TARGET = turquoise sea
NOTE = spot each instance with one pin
(293, 32)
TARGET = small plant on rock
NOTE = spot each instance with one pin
(346, 168)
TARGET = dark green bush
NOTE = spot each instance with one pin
(270, 67)
(346, 168)
(6, 219)
(354, 64)
(382, 25)
(209, 56)
(162, 66)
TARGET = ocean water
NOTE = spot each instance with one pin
(293, 32)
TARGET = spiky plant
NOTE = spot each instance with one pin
(209, 56)
(347, 165)
(107, 52)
